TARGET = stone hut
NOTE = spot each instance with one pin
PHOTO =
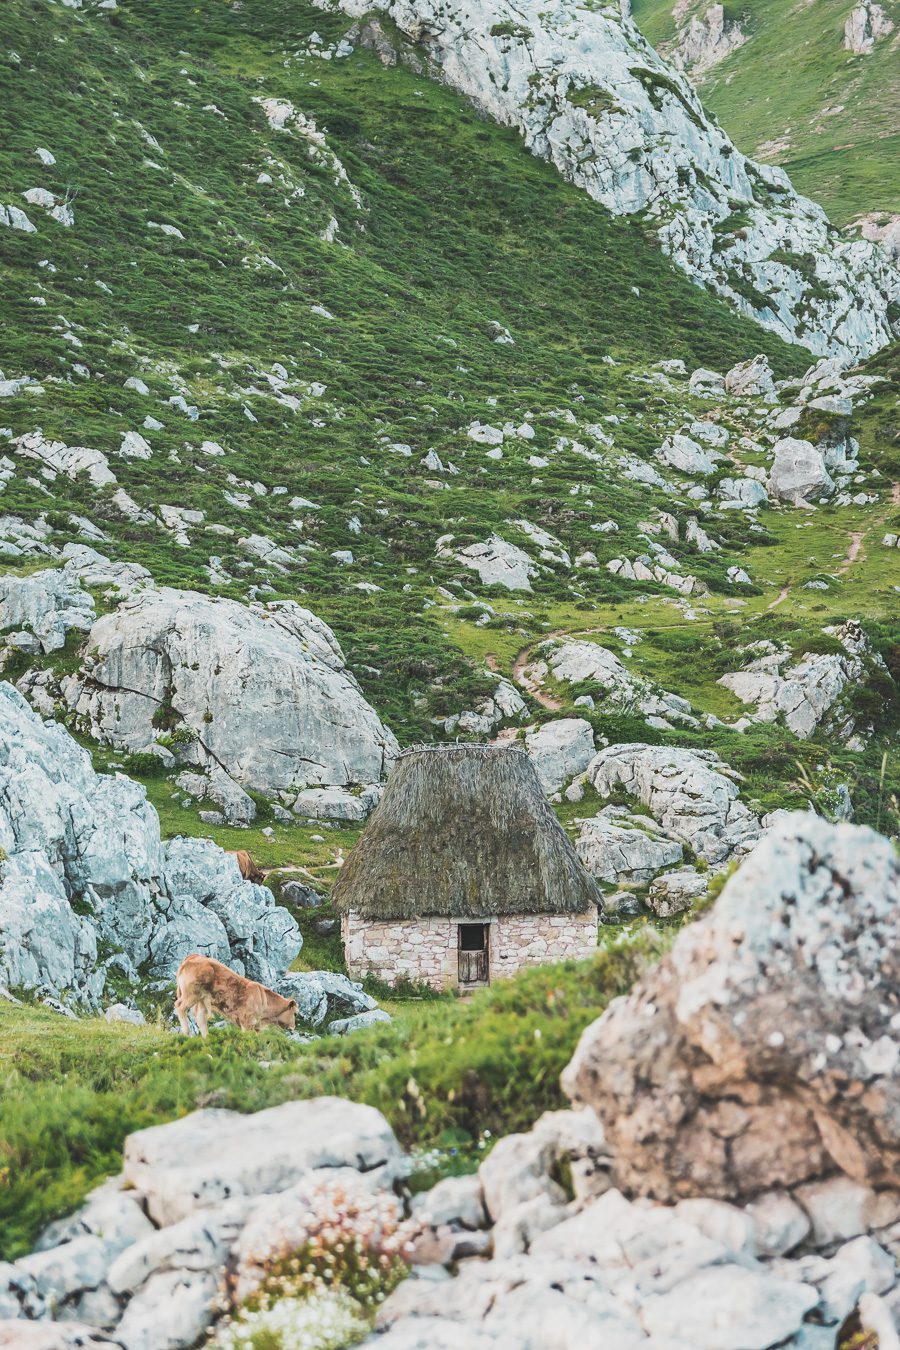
(463, 874)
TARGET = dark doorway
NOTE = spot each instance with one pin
(473, 953)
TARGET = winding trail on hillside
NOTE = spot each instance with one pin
(780, 597)
(858, 537)
(530, 686)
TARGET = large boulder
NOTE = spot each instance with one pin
(497, 562)
(798, 474)
(751, 379)
(681, 453)
(85, 869)
(763, 1051)
(617, 847)
(690, 793)
(211, 1156)
(49, 604)
(559, 750)
(262, 688)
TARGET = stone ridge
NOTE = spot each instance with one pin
(589, 94)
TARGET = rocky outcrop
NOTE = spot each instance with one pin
(763, 1052)
(260, 692)
(69, 460)
(802, 692)
(85, 871)
(613, 686)
(145, 1258)
(690, 793)
(559, 750)
(798, 474)
(48, 604)
(497, 562)
(708, 39)
(589, 94)
(866, 24)
(617, 846)
(882, 229)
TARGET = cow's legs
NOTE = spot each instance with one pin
(199, 1011)
(181, 1011)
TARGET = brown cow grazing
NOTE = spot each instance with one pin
(206, 986)
(247, 867)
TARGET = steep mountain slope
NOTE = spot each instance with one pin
(293, 325)
(587, 92)
(812, 88)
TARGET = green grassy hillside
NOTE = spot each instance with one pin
(793, 95)
(326, 368)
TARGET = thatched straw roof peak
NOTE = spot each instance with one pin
(463, 830)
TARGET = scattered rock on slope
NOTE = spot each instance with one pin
(798, 474)
(866, 24)
(763, 1051)
(86, 870)
(49, 604)
(802, 693)
(707, 40)
(690, 793)
(263, 689)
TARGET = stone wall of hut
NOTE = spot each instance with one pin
(427, 950)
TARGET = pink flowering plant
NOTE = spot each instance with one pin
(325, 1246)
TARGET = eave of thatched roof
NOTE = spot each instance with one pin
(463, 831)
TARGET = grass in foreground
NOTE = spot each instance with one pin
(444, 1072)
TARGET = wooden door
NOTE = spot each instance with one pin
(474, 966)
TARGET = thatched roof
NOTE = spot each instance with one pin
(463, 830)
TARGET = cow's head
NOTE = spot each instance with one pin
(287, 1018)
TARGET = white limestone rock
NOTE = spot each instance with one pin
(68, 460)
(85, 865)
(620, 848)
(323, 995)
(171, 1312)
(865, 25)
(559, 750)
(785, 987)
(50, 604)
(779, 1223)
(684, 454)
(798, 474)
(674, 892)
(744, 494)
(708, 39)
(335, 803)
(95, 570)
(801, 693)
(505, 703)
(209, 1156)
(842, 1207)
(576, 661)
(751, 379)
(690, 793)
(706, 383)
(454, 1200)
(18, 1335)
(728, 1307)
(264, 689)
(497, 562)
